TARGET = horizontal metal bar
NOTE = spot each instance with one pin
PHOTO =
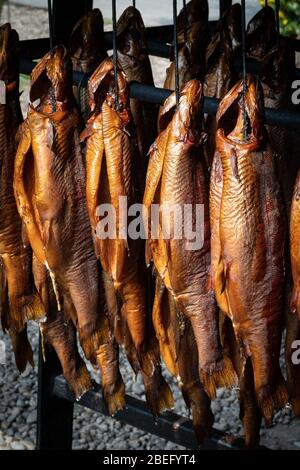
(168, 426)
(150, 94)
(36, 48)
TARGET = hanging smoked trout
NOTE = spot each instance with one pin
(111, 162)
(87, 50)
(179, 352)
(49, 183)
(248, 248)
(293, 319)
(19, 301)
(134, 60)
(220, 73)
(177, 178)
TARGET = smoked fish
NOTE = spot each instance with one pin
(19, 300)
(293, 319)
(87, 50)
(179, 352)
(49, 185)
(248, 245)
(177, 176)
(277, 57)
(134, 60)
(220, 72)
(58, 331)
(111, 156)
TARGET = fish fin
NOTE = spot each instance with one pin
(25, 308)
(199, 404)
(158, 393)
(218, 375)
(273, 400)
(22, 349)
(114, 397)
(113, 388)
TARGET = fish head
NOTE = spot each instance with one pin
(196, 10)
(189, 112)
(233, 23)
(52, 73)
(102, 87)
(131, 36)
(87, 35)
(240, 106)
(261, 33)
(9, 54)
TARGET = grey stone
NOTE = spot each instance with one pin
(31, 418)
(15, 445)
(14, 413)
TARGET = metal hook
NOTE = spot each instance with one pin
(115, 53)
(176, 51)
(243, 17)
(50, 20)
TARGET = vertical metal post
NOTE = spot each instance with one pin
(224, 5)
(54, 414)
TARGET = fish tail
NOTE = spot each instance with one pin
(295, 402)
(272, 400)
(220, 374)
(81, 381)
(158, 393)
(114, 395)
(91, 339)
(22, 349)
(25, 308)
(199, 404)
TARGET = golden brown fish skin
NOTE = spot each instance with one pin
(20, 302)
(220, 72)
(294, 249)
(277, 56)
(179, 352)
(134, 60)
(87, 50)
(252, 236)
(59, 332)
(249, 411)
(49, 185)
(176, 175)
(293, 316)
(111, 173)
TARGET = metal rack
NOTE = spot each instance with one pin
(55, 400)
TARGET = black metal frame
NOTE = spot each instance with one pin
(55, 400)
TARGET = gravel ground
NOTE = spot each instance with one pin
(18, 394)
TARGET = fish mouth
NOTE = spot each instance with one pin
(53, 71)
(101, 85)
(236, 105)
